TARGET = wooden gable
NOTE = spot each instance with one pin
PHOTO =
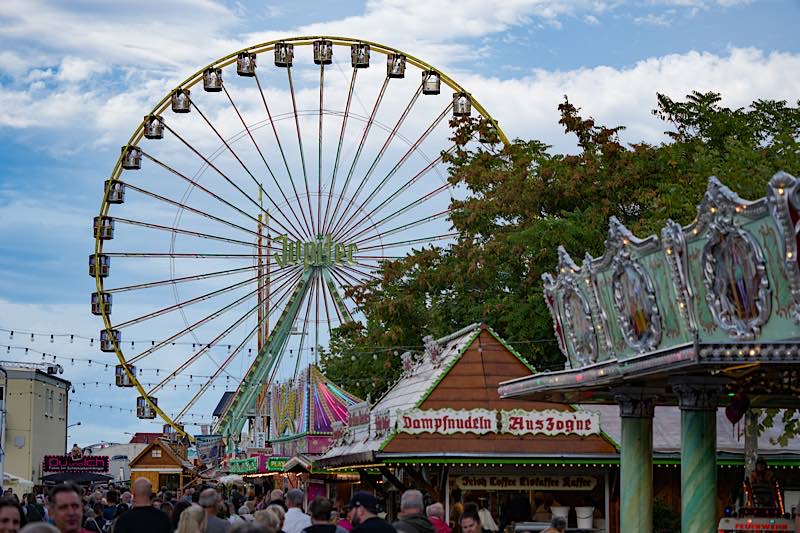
(472, 383)
(167, 458)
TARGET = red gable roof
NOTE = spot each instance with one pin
(145, 438)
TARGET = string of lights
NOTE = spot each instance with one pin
(95, 405)
(32, 335)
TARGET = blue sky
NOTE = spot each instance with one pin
(76, 78)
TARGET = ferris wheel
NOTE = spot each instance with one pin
(247, 203)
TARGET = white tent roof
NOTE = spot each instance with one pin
(412, 387)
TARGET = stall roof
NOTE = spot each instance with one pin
(412, 386)
(464, 375)
(667, 432)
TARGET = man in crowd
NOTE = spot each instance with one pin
(209, 501)
(112, 499)
(296, 520)
(276, 497)
(321, 509)
(66, 508)
(143, 516)
(435, 512)
(412, 519)
(364, 515)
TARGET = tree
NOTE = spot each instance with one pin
(524, 201)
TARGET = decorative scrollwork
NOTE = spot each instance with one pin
(674, 242)
(634, 293)
(580, 328)
(735, 279)
(783, 195)
(574, 319)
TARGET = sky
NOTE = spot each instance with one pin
(77, 77)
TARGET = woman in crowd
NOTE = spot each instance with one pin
(11, 516)
(192, 520)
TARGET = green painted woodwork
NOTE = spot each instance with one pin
(594, 277)
(636, 475)
(698, 471)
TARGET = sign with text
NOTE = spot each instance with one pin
(358, 414)
(480, 421)
(550, 422)
(209, 448)
(447, 421)
(522, 483)
(65, 463)
(382, 422)
(243, 466)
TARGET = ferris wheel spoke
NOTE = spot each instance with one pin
(382, 151)
(195, 184)
(339, 149)
(161, 255)
(391, 173)
(325, 294)
(398, 229)
(319, 145)
(337, 278)
(300, 146)
(183, 279)
(188, 208)
(355, 268)
(364, 134)
(190, 328)
(205, 347)
(266, 164)
(180, 231)
(185, 303)
(350, 279)
(409, 242)
(226, 178)
(411, 205)
(223, 366)
(283, 153)
(367, 218)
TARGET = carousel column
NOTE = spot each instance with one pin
(636, 407)
(698, 402)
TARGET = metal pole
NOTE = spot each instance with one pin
(3, 412)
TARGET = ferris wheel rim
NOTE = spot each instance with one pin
(192, 80)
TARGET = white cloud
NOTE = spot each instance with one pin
(652, 19)
(591, 20)
(527, 107)
(74, 69)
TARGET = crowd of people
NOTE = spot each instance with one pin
(68, 509)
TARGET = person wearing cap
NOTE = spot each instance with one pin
(209, 501)
(296, 520)
(364, 515)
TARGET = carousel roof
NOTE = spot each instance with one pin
(718, 299)
(309, 405)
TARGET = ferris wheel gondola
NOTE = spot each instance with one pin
(239, 216)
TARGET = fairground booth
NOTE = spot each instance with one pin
(294, 424)
(442, 428)
(702, 316)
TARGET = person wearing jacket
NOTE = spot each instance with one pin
(412, 514)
